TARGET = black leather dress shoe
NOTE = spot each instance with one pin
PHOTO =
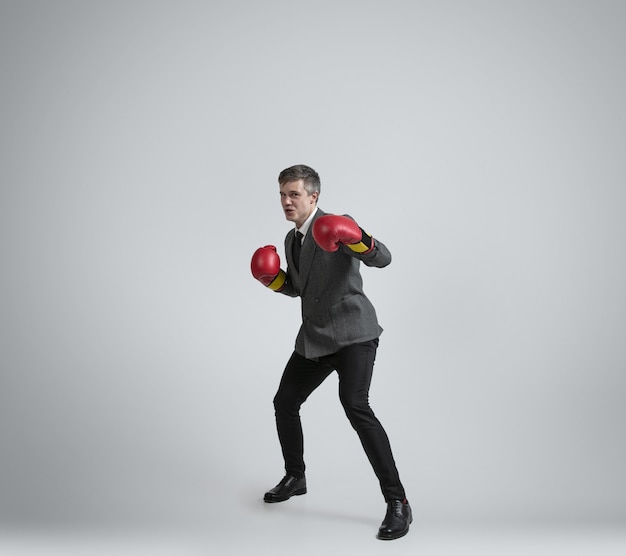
(289, 486)
(396, 522)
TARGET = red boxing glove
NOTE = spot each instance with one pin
(265, 267)
(330, 230)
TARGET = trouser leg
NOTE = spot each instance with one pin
(355, 365)
(300, 378)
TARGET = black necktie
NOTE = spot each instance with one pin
(297, 247)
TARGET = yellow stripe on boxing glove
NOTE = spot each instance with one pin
(278, 282)
(365, 245)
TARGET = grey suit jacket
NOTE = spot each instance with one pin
(335, 311)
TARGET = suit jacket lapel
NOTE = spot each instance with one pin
(306, 257)
(299, 277)
(308, 250)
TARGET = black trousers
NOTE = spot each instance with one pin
(354, 365)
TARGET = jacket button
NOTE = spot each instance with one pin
(317, 300)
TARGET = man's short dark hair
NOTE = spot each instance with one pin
(310, 178)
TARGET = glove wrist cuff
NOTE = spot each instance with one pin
(277, 283)
(365, 245)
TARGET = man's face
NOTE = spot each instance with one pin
(296, 201)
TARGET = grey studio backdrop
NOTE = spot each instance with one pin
(482, 141)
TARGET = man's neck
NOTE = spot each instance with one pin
(307, 223)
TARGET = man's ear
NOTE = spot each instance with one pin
(314, 197)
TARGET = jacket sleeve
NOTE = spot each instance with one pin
(378, 257)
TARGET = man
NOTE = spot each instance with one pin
(339, 333)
